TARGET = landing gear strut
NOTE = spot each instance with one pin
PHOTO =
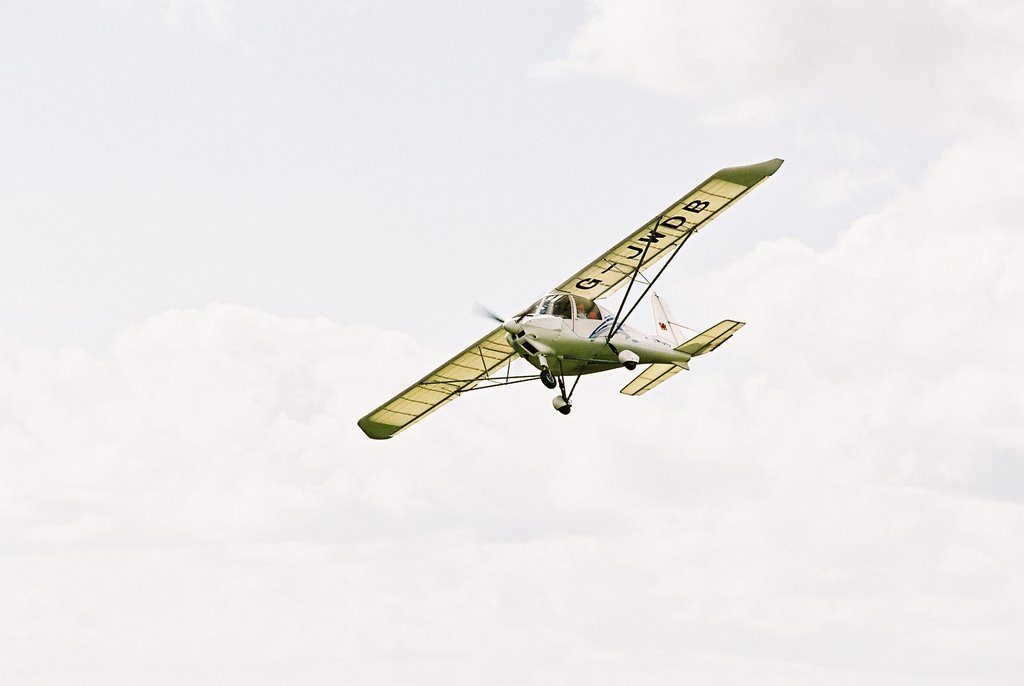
(562, 401)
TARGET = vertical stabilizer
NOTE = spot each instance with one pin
(663, 318)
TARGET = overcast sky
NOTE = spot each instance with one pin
(229, 229)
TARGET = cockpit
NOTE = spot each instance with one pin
(565, 306)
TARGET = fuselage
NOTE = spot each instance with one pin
(569, 335)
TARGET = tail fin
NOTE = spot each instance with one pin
(704, 343)
(667, 329)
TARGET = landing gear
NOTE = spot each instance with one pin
(562, 401)
(547, 378)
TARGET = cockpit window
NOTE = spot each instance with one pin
(556, 305)
(586, 309)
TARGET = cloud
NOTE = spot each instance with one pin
(213, 16)
(900, 333)
(842, 184)
(831, 496)
(934, 66)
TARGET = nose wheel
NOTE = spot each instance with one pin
(563, 401)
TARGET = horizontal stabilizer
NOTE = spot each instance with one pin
(651, 377)
(705, 342)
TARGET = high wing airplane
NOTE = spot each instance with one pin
(568, 334)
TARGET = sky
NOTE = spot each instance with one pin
(230, 229)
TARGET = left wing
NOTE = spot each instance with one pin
(660, 235)
(458, 374)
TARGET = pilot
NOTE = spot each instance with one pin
(587, 309)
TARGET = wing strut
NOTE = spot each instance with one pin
(636, 272)
(615, 329)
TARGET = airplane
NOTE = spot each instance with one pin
(567, 333)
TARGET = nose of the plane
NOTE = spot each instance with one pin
(513, 327)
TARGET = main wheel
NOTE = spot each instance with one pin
(547, 378)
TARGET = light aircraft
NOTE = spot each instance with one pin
(568, 334)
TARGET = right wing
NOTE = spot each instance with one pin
(462, 372)
(682, 218)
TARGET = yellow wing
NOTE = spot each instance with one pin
(663, 233)
(460, 373)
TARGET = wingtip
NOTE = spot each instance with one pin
(376, 430)
(750, 174)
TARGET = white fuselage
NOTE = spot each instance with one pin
(580, 346)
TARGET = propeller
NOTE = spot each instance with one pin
(512, 326)
(490, 314)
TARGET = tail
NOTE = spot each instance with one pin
(701, 344)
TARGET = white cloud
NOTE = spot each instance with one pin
(927, 65)
(802, 507)
(841, 185)
(214, 16)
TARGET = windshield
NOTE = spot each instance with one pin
(555, 305)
